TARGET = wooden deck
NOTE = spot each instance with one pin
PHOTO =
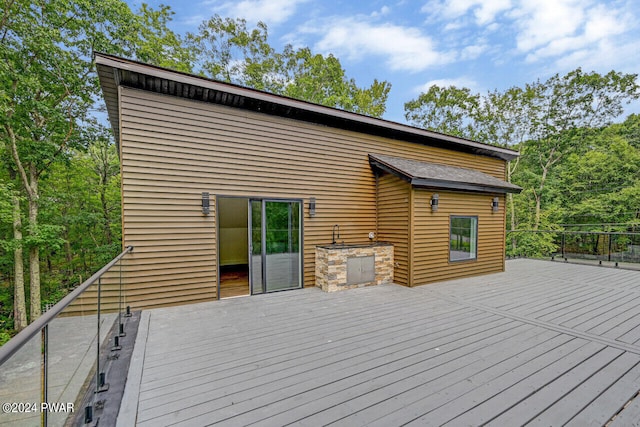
(545, 343)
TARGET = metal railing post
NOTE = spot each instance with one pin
(44, 398)
(120, 324)
(98, 340)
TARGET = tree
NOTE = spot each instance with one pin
(231, 52)
(600, 181)
(47, 88)
(449, 110)
(81, 195)
(545, 120)
(154, 43)
(563, 108)
(10, 213)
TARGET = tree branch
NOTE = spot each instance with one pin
(16, 159)
(3, 23)
(63, 144)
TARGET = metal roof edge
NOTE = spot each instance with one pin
(204, 82)
(460, 186)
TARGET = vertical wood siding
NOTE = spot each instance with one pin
(393, 222)
(173, 149)
(430, 257)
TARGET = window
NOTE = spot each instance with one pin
(463, 238)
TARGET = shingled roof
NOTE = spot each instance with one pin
(432, 175)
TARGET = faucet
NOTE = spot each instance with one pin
(333, 234)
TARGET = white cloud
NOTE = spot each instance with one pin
(473, 51)
(544, 21)
(271, 12)
(402, 48)
(454, 25)
(488, 9)
(571, 31)
(484, 11)
(459, 82)
(607, 55)
(192, 22)
(384, 10)
(552, 33)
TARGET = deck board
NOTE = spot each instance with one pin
(629, 416)
(547, 342)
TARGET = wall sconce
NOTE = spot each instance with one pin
(434, 202)
(312, 207)
(495, 204)
(205, 203)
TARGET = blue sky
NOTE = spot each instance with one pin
(479, 44)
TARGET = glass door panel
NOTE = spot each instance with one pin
(255, 247)
(274, 245)
(282, 227)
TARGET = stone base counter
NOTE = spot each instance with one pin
(351, 266)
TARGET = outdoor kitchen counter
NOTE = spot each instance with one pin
(345, 266)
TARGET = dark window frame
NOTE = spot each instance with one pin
(472, 218)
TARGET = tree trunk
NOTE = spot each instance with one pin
(34, 251)
(538, 196)
(19, 303)
(105, 213)
(30, 184)
(536, 223)
(512, 206)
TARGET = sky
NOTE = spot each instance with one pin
(483, 45)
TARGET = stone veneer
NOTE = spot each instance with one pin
(331, 265)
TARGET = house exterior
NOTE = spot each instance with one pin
(220, 180)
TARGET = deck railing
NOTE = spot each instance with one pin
(608, 247)
(52, 372)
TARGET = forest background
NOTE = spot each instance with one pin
(60, 214)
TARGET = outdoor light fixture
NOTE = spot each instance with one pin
(205, 203)
(434, 202)
(312, 207)
(495, 204)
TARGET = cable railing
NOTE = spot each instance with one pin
(55, 372)
(615, 248)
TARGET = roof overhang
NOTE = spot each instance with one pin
(443, 177)
(114, 71)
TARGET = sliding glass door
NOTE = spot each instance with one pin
(275, 249)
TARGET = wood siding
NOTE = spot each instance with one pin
(393, 222)
(430, 256)
(173, 149)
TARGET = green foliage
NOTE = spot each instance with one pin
(6, 207)
(48, 88)
(447, 110)
(541, 112)
(573, 166)
(630, 129)
(7, 242)
(535, 245)
(154, 43)
(231, 52)
(6, 310)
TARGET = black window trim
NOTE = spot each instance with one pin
(475, 258)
